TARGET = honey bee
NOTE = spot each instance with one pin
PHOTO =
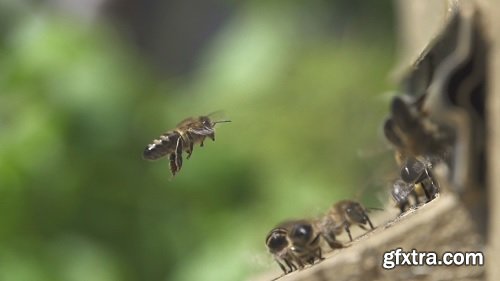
(278, 244)
(409, 129)
(294, 244)
(189, 132)
(419, 171)
(416, 179)
(340, 217)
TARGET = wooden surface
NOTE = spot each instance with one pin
(492, 11)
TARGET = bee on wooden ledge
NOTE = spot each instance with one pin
(298, 243)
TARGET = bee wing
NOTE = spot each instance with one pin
(201, 131)
(218, 114)
(401, 190)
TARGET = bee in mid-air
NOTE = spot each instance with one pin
(340, 217)
(294, 244)
(191, 131)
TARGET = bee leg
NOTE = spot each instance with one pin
(369, 221)
(281, 266)
(415, 196)
(316, 254)
(429, 189)
(434, 187)
(298, 262)
(403, 205)
(202, 140)
(311, 259)
(346, 227)
(173, 164)
(291, 266)
(362, 227)
(211, 136)
(190, 150)
(176, 158)
(426, 192)
(319, 255)
(332, 241)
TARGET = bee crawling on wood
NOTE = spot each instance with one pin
(340, 217)
(191, 131)
(296, 243)
(416, 180)
(279, 246)
(281, 243)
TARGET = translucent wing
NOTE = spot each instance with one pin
(205, 131)
(401, 190)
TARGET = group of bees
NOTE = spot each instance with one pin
(297, 243)
(430, 124)
(420, 139)
(412, 137)
(440, 117)
(293, 243)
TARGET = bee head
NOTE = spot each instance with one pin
(276, 240)
(206, 122)
(355, 212)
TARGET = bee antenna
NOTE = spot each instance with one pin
(221, 121)
(375, 209)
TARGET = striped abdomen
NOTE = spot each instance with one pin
(162, 146)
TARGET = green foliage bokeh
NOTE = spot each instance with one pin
(77, 107)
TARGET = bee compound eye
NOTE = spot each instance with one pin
(206, 122)
(277, 241)
(349, 211)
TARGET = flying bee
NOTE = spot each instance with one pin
(294, 244)
(340, 217)
(189, 132)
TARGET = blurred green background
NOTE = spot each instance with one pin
(86, 85)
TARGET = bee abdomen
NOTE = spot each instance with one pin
(161, 146)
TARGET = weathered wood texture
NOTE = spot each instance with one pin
(492, 11)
